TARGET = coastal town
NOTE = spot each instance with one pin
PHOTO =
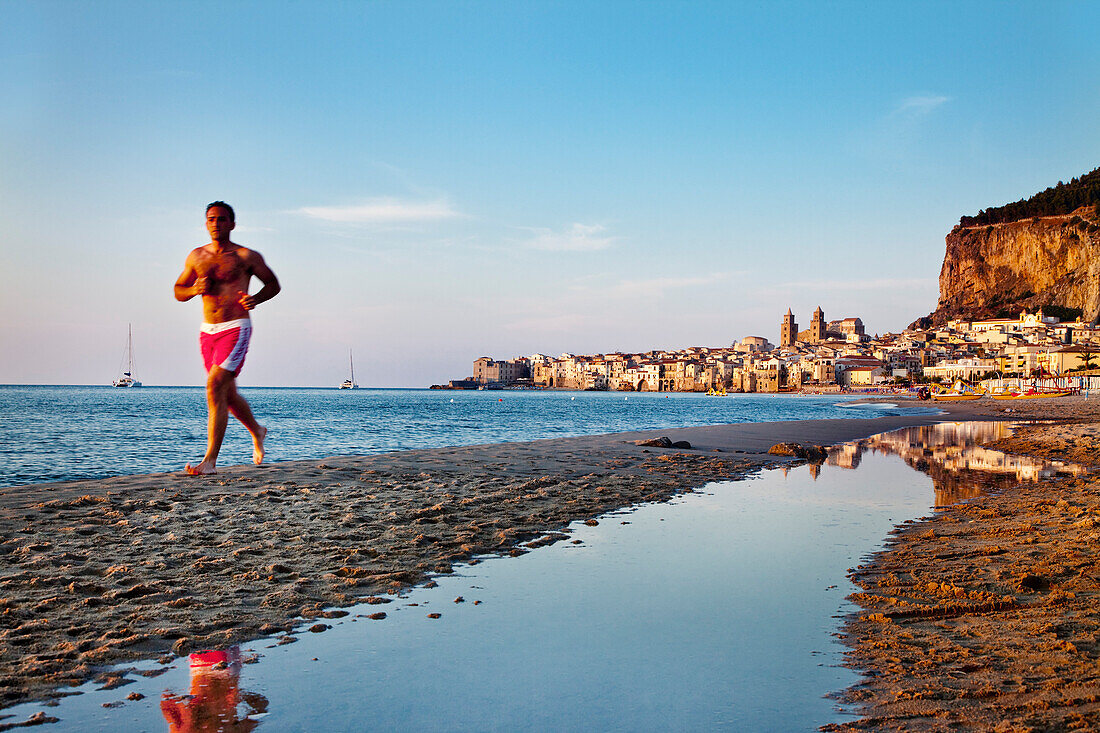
(829, 356)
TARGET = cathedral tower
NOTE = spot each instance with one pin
(788, 332)
(817, 326)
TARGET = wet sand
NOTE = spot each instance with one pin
(986, 616)
(101, 572)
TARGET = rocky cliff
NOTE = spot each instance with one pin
(999, 269)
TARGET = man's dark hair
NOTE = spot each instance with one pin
(227, 207)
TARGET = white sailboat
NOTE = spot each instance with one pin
(128, 379)
(350, 383)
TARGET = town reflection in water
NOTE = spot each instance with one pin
(953, 455)
(213, 705)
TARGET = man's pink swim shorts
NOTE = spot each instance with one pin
(225, 344)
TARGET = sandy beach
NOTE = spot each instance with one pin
(152, 566)
(985, 616)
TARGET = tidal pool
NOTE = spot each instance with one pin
(716, 610)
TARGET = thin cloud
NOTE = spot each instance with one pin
(586, 283)
(889, 284)
(921, 104)
(383, 211)
(577, 238)
(561, 323)
(897, 133)
(656, 287)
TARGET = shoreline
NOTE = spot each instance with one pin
(986, 614)
(111, 434)
(102, 572)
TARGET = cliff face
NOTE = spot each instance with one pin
(998, 270)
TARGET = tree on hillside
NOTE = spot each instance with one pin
(1064, 198)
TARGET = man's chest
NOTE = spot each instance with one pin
(223, 268)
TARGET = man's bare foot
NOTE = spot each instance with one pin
(203, 469)
(258, 446)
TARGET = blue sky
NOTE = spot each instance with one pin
(437, 181)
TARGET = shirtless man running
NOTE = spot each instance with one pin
(220, 272)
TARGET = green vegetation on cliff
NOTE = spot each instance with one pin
(1065, 198)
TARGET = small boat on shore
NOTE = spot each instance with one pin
(1030, 393)
(959, 392)
(127, 379)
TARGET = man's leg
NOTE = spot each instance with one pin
(218, 383)
(241, 410)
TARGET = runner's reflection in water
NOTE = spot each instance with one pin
(215, 696)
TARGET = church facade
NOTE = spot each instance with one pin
(819, 330)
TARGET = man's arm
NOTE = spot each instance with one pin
(189, 284)
(271, 286)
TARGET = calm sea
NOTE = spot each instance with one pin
(50, 433)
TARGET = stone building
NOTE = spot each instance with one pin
(788, 332)
(769, 379)
(817, 332)
(487, 371)
(848, 328)
(749, 344)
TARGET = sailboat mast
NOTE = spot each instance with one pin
(351, 362)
